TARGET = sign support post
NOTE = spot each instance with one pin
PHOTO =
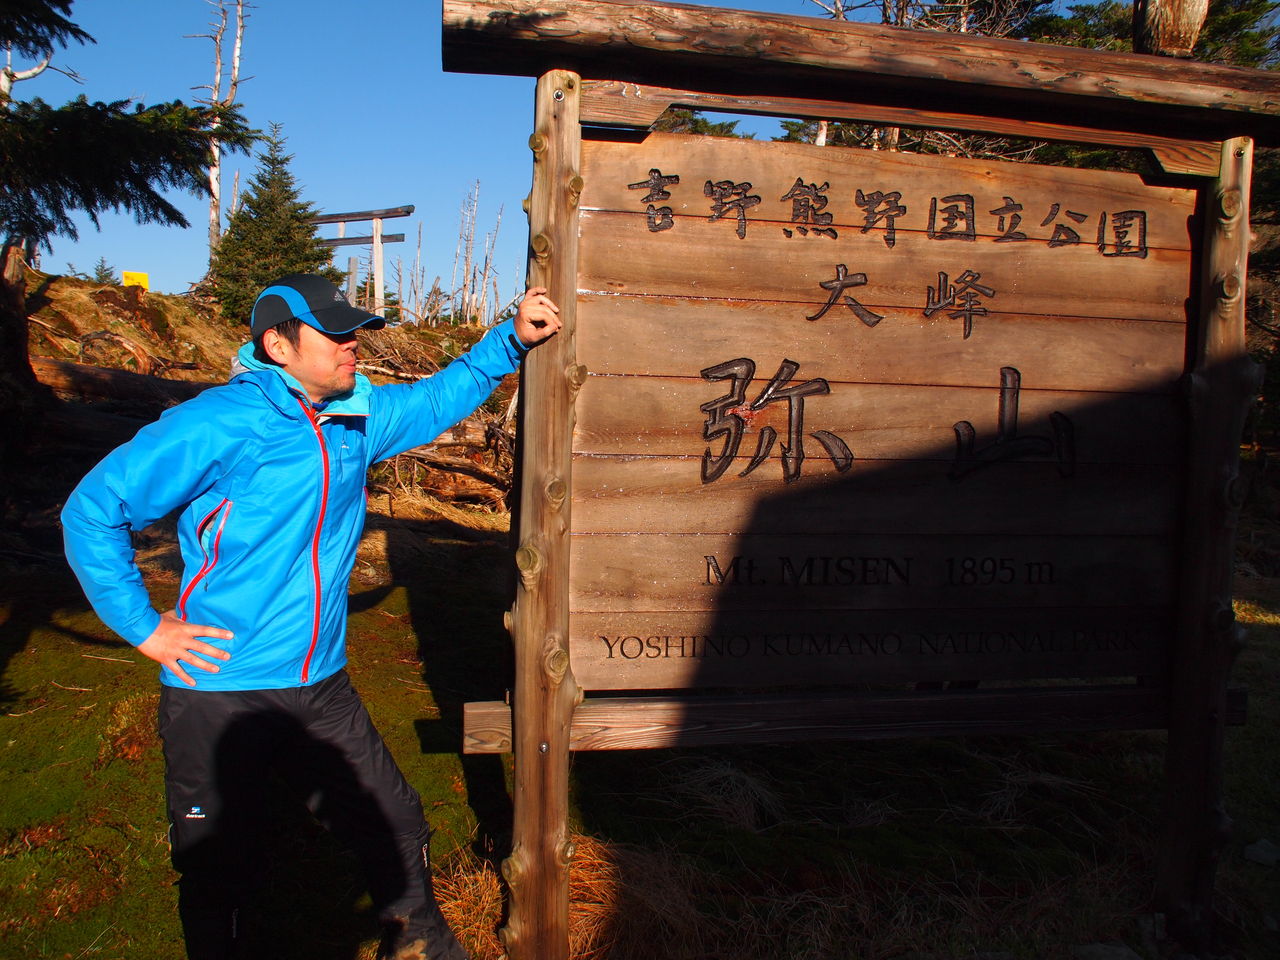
(1222, 384)
(545, 694)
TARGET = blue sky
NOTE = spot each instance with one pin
(370, 118)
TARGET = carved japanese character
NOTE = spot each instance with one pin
(957, 221)
(844, 280)
(728, 415)
(878, 206)
(1010, 213)
(1008, 444)
(808, 200)
(1128, 234)
(1063, 235)
(727, 198)
(658, 218)
(960, 298)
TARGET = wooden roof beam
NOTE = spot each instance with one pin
(740, 52)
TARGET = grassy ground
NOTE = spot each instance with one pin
(83, 857)
(941, 848)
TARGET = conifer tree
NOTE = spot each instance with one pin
(268, 236)
(81, 156)
(684, 120)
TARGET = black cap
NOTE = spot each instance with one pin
(313, 300)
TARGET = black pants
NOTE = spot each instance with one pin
(222, 747)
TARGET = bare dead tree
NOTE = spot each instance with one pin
(465, 249)
(1168, 27)
(473, 278)
(9, 76)
(219, 98)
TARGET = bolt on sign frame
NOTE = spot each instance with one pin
(857, 444)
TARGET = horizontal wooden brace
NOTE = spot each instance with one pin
(627, 723)
(352, 241)
(386, 214)
(616, 103)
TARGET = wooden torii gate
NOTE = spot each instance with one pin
(375, 240)
(602, 63)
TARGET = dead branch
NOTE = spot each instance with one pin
(146, 363)
(54, 330)
(386, 372)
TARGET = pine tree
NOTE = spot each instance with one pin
(81, 156)
(684, 120)
(267, 237)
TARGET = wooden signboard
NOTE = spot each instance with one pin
(858, 417)
(845, 443)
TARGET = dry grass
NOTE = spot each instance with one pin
(726, 791)
(627, 902)
(471, 896)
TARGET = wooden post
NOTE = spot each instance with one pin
(1222, 384)
(379, 297)
(353, 278)
(545, 693)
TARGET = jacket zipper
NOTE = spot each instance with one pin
(210, 556)
(315, 539)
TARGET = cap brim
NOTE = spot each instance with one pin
(343, 318)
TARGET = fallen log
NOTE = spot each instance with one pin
(101, 383)
(444, 475)
(432, 458)
(83, 380)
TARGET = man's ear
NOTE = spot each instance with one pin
(276, 346)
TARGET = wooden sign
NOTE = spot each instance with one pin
(862, 417)
(827, 428)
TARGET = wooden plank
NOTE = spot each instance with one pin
(1194, 159)
(620, 495)
(675, 571)
(617, 103)
(809, 647)
(738, 51)
(701, 259)
(655, 336)
(616, 175)
(627, 723)
(662, 416)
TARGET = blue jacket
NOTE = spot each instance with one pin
(272, 493)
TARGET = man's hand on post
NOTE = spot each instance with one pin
(537, 317)
(175, 641)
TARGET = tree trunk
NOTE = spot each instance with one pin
(22, 398)
(1167, 27)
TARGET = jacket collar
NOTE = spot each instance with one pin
(271, 378)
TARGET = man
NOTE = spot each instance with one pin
(269, 473)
